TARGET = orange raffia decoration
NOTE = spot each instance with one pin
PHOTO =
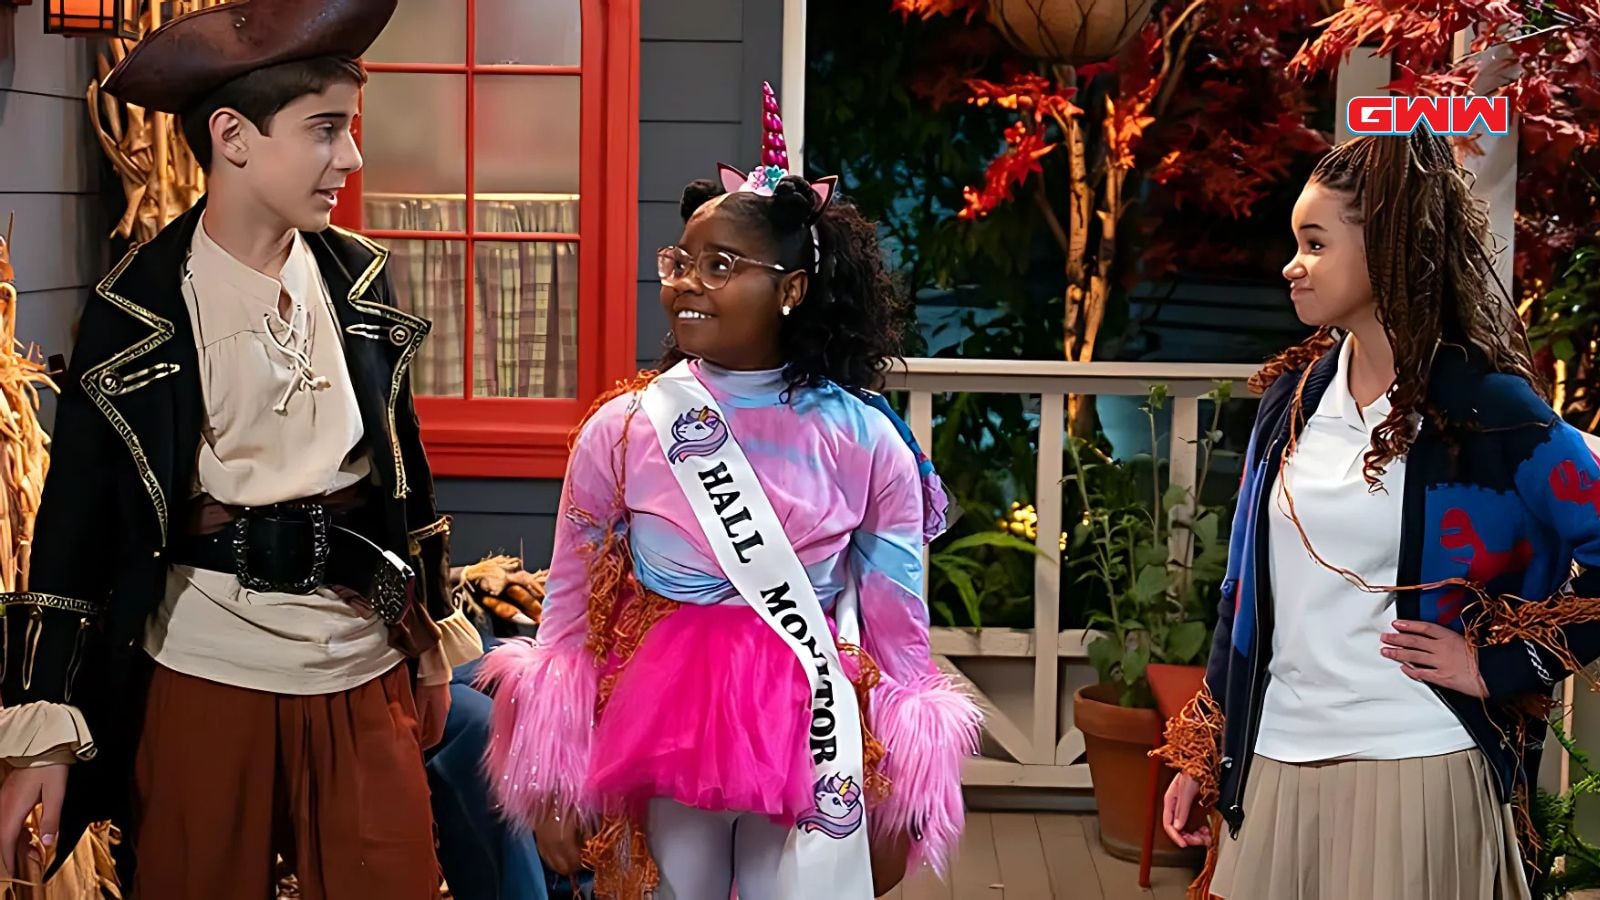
(1194, 739)
(619, 856)
(872, 750)
(620, 614)
(1193, 746)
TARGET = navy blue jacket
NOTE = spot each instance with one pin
(1499, 490)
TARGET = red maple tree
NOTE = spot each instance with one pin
(1545, 56)
(1200, 102)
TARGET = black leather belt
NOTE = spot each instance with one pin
(295, 548)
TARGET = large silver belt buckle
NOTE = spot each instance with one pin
(320, 521)
(391, 589)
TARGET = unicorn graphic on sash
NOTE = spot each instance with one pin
(698, 432)
(839, 809)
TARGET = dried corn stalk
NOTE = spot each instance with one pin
(89, 874)
(23, 455)
(159, 175)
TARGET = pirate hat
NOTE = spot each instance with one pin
(178, 64)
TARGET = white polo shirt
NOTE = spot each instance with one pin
(1332, 694)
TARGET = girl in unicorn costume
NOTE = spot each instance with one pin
(732, 681)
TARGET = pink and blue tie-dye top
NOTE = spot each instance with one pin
(854, 498)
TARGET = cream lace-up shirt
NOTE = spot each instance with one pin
(281, 424)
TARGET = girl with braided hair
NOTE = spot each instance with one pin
(732, 681)
(1400, 599)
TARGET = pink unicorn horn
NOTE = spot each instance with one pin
(774, 163)
(774, 152)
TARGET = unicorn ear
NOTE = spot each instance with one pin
(732, 179)
(825, 188)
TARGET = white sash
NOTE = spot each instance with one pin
(827, 856)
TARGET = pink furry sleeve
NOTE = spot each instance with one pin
(544, 689)
(926, 723)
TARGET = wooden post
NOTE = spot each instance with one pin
(1047, 576)
(1362, 74)
(1494, 168)
(793, 65)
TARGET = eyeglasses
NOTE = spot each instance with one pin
(714, 268)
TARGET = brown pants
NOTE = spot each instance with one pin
(228, 778)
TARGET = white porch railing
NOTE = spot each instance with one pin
(1030, 740)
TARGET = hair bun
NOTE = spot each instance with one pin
(696, 194)
(794, 204)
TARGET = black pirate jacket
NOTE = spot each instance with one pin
(124, 450)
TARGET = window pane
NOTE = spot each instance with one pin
(429, 279)
(529, 32)
(525, 324)
(527, 151)
(528, 212)
(424, 31)
(415, 177)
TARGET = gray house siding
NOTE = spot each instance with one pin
(701, 67)
(49, 177)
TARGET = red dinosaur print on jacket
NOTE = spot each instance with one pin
(1483, 565)
(1574, 486)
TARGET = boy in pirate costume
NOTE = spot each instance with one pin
(239, 634)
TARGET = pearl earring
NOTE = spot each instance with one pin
(786, 309)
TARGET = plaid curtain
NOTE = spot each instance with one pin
(525, 317)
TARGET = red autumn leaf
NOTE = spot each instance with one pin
(927, 9)
(1010, 170)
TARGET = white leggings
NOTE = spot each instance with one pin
(700, 854)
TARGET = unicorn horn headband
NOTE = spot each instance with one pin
(774, 160)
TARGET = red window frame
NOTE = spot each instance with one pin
(527, 438)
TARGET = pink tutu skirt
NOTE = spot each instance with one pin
(712, 712)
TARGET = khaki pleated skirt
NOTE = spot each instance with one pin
(1409, 829)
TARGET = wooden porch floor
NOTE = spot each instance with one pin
(1048, 856)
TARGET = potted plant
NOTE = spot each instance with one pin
(1155, 555)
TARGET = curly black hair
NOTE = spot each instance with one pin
(848, 329)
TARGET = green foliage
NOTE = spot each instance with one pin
(978, 576)
(1564, 330)
(1555, 822)
(981, 580)
(878, 116)
(1132, 543)
(1570, 308)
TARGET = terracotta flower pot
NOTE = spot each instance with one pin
(1118, 741)
(1070, 31)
